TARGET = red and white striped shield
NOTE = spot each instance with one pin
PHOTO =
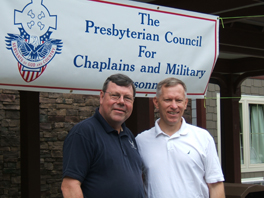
(30, 76)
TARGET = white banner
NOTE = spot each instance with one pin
(72, 46)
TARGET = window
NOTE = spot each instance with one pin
(251, 111)
(252, 133)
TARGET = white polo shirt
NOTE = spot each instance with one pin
(181, 165)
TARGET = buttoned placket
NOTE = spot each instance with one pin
(121, 142)
(170, 142)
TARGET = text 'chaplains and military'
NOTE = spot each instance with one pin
(81, 61)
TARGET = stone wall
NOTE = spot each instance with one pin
(58, 114)
(9, 144)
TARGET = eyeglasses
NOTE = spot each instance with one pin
(117, 96)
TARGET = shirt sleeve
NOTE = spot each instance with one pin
(77, 156)
(213, 170)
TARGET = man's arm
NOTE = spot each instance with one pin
(216, 190)
(71, 188)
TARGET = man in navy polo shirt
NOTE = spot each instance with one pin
(100, 156)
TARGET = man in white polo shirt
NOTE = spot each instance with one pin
(180, 160)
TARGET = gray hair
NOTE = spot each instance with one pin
(170, 82)
(120, 80)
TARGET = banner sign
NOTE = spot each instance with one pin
(72, 46)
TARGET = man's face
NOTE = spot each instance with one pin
(116, 110)
(171, 104)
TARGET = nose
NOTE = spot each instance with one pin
(121, 100)
(174, 104)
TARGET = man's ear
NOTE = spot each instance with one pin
(101, 96)
(155, 101)
(186, 103)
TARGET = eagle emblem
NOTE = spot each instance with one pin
(33, 48)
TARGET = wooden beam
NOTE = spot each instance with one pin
(250, 8)
(239, 66)
(247, 40)
(142, 117)
(29, 144)
(230, 129)
(204, 6)
(242, 50)
(201, 113)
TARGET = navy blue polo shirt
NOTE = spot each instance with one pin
(106, 163)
